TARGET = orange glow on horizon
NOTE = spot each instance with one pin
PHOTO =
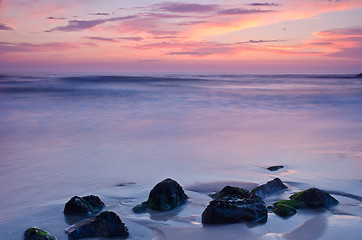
(64, 30)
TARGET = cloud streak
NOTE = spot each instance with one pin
(186, 7)
(99, 14)
(265, 4)
(77, 25)
(241, 11)
(56, 18)
(101, 39)
(4, 27)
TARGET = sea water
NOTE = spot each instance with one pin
(116, 136)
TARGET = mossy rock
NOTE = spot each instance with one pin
(291, 203)
(34, 233)
(312, 198)
(229, 192)
(284, 210)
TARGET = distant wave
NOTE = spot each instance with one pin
(130, 79)
(287, 75)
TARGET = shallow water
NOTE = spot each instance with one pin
(64, 135)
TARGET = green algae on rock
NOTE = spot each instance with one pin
(231, 192)
(34, 233)
(310, 198)
(284, 210)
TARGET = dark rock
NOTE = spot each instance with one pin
(311, 198)
(106, 224)
(125, 184)
(166, 195)
(34, 233)
(267, 189)
(358, 75)
(225, 211)
(83, 205)
(229, 192)
(275, 168)
(284, 210)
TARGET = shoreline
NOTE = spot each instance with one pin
(184, 222)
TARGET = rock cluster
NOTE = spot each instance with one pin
(233, 204)
(310, 198)
(235, 210)
(230, 205)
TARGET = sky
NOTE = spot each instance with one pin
(246, 36)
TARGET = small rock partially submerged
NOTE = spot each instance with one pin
(275, 168)
(106, 224)
(166, 195)
(34, 233)
(267, 189)
(310, 198)
(83, 205)
(233, 211)
(284, 210)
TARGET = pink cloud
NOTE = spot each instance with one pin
(338, 32)
(115, 39)
(131, 38)
(6, 47)
(206, 51)
(351, 52)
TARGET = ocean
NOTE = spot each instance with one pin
(116, 136)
